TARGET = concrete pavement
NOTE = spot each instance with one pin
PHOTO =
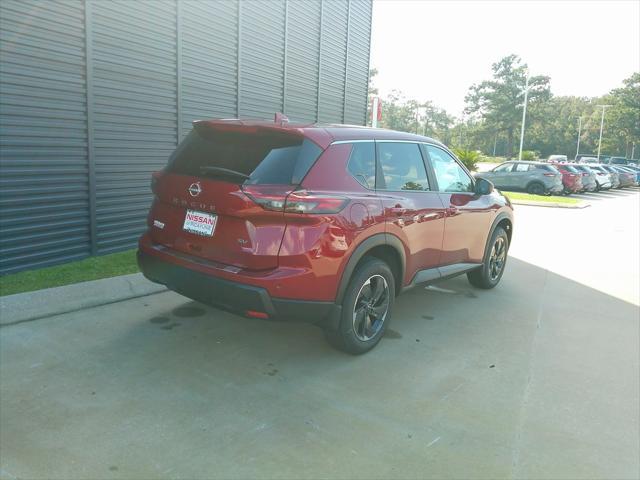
(538, 378)
(24, 307)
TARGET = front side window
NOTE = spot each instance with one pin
(503, 168)
(451, 176)
(401, 167)
(362, 164)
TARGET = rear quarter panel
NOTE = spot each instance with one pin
(323, 244)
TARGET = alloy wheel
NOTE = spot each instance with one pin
(371, 307)
(497, 258)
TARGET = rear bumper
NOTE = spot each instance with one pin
(574, 188)
(235, 297)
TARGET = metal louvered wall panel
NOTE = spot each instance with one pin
(261, 58)
(95, 93)
(333, 54)
(135, 113)
(357, 80)
(209, 61)
(303, 45)
(44, 197)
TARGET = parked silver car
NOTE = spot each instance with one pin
(627, 176)
(615, 176)
(603, 177)
(533, 177)
(589, 180)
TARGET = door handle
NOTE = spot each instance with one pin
(452, 211)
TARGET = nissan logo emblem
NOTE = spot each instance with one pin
(195, 189)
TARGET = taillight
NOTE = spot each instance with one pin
(269, 197)
(302, 201)
(282, 199)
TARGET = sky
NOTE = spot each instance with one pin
(435, 50)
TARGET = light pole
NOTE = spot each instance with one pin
(579, 128)
(604, 107)
(524, 115)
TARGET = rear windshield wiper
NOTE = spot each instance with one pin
(223, 172)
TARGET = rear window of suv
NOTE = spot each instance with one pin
(569, 168)
(251, 158)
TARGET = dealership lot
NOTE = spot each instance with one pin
(538, 378)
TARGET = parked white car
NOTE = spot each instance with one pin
(557, 159)
(588, 160)
(603, 177)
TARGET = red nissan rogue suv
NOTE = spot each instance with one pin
(322, 224)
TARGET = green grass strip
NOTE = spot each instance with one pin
(541, 198)
(92, 268)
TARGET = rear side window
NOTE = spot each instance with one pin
(522, 167)
(256, 158)
(569, 168)
(362, 164)
(547, 168)
(401, 167)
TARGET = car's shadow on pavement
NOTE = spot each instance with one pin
(467, 383)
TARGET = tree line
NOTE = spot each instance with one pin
(493, 113)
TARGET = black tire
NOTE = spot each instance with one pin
(489, 275)
(353, 335)
(536, 188)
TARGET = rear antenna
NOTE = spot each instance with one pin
(280, 118)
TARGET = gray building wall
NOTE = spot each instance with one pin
(94, 96)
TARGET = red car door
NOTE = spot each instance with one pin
(468, 216)
(413, 210)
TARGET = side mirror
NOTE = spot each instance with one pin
(483, 186)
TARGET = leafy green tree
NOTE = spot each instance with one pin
(398, 113)
(470, 158)
(409, 115)
(623, 118)
(554, 126)
(499, 100)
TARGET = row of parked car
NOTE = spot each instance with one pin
(546, 178)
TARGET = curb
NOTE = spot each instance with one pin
(530, 203)
(28, 306)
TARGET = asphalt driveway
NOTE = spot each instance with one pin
(538, 378)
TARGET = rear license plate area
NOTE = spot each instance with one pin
(200, 223)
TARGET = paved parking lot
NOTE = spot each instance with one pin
(538, 378)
